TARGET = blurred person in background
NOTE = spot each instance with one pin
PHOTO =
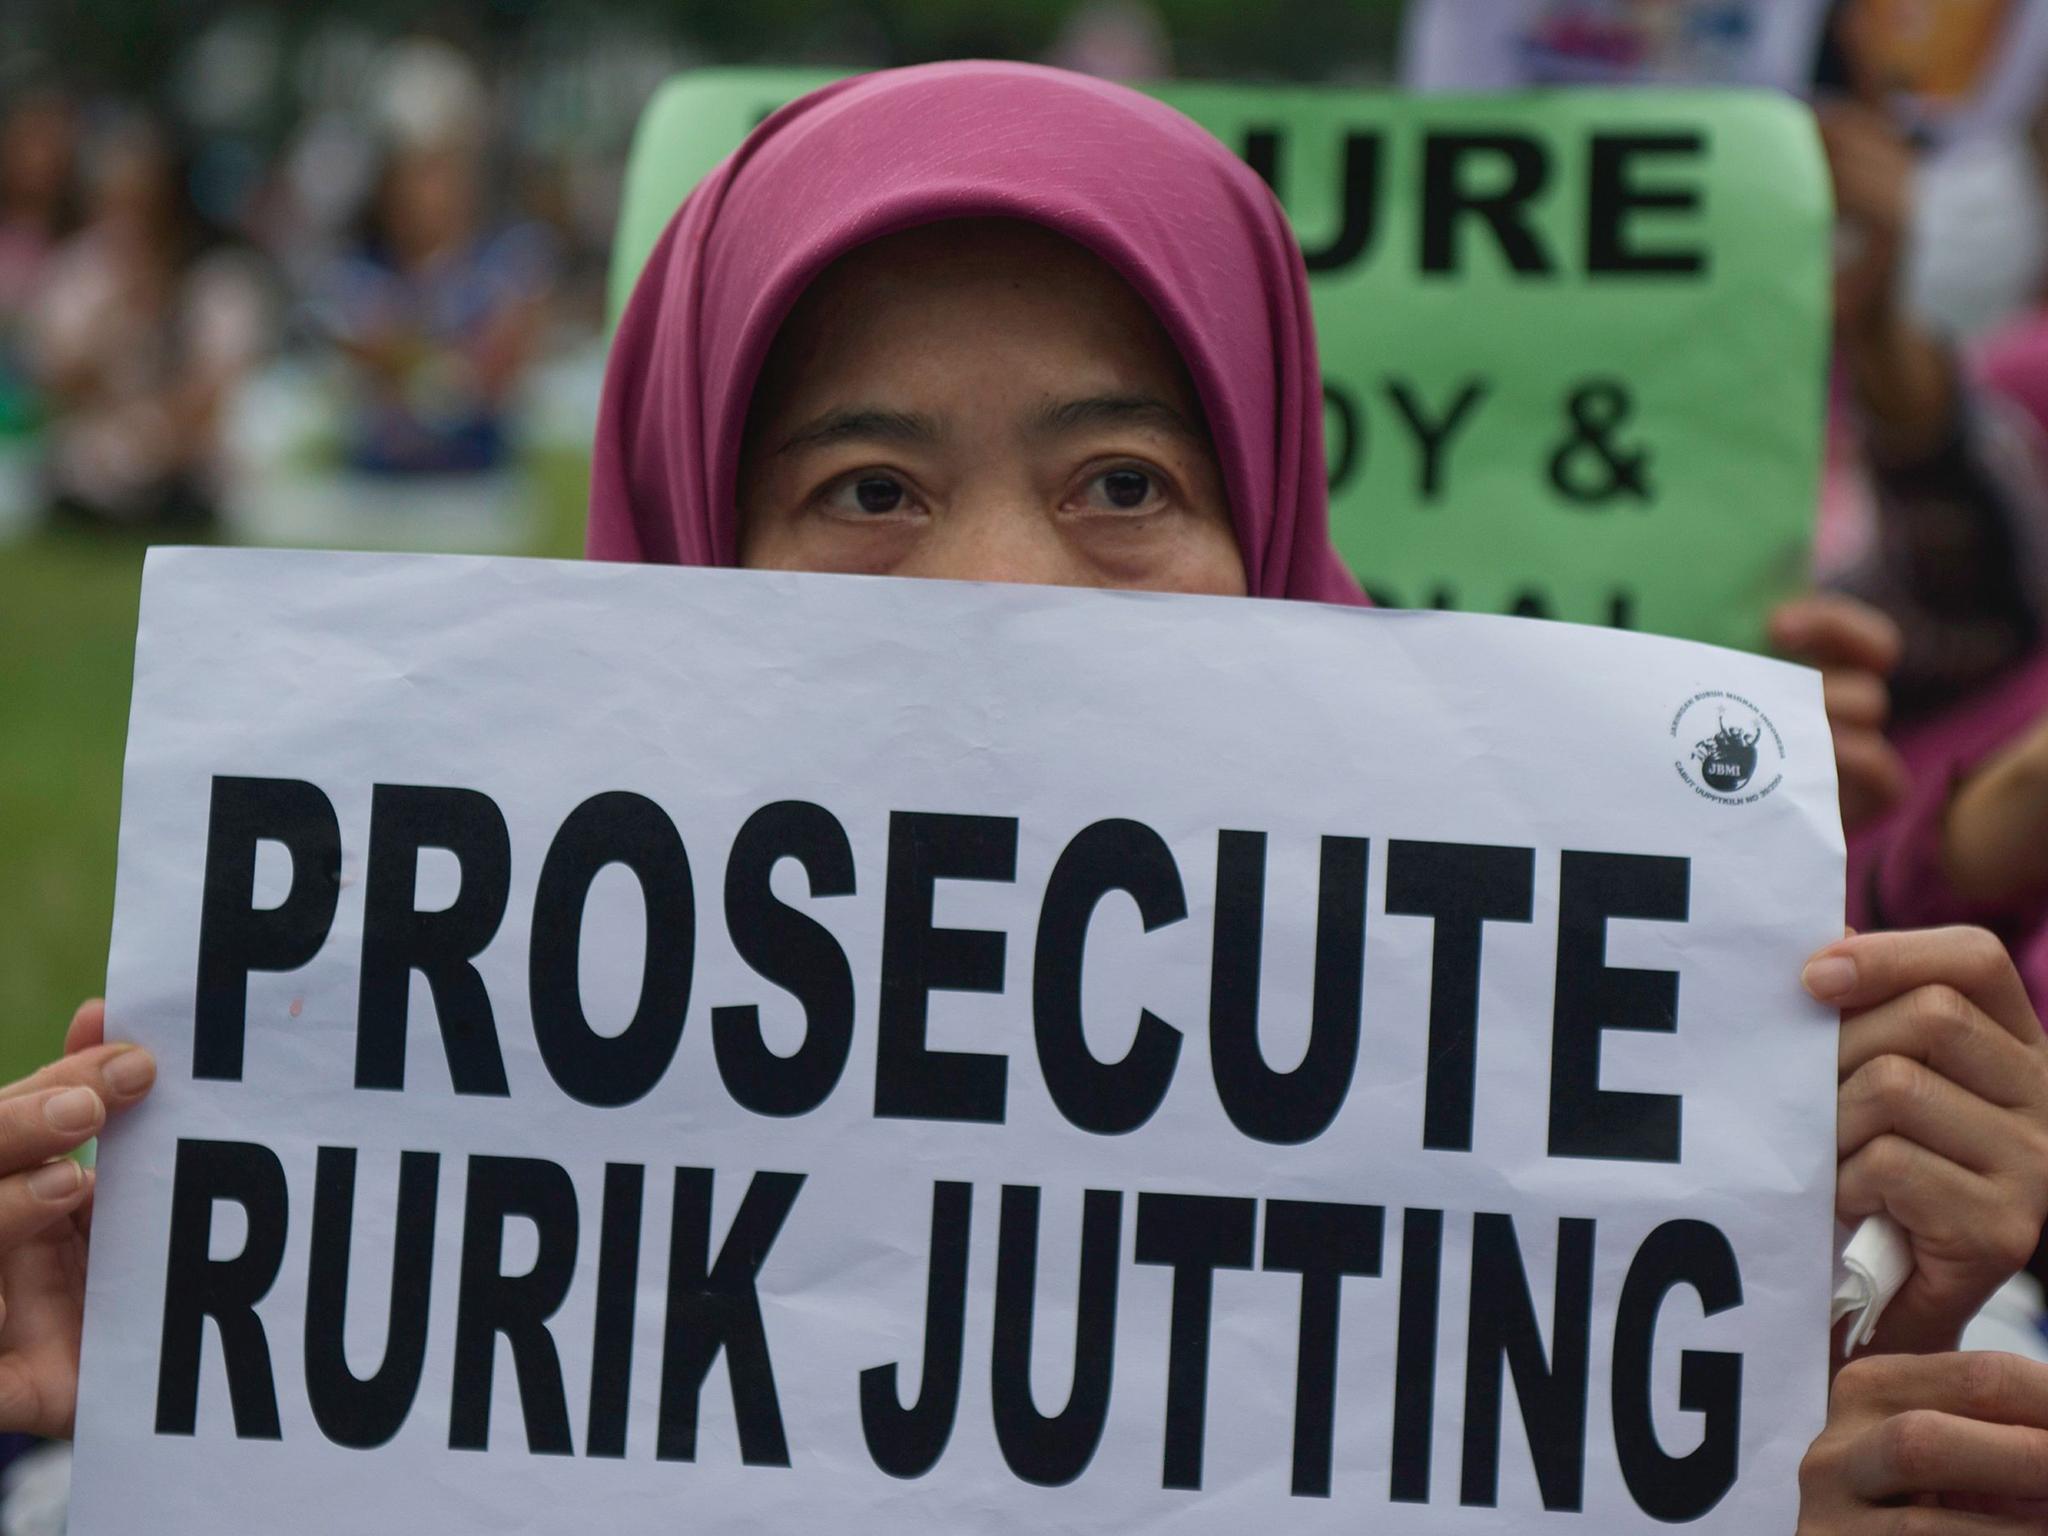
(1114, 40)
(37, 154)
(438, 315)
(37, 210)
(2013, 357)
(1941, 466)
(140, 332)
(1471, 45)
(1934, 503)
(1957, 82)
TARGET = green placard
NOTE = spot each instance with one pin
(1573, 343)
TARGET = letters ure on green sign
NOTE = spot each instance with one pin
(1573, 343)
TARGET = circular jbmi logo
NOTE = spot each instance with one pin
(1728, 750)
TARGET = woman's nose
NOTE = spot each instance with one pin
(999, 540)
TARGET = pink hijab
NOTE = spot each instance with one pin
(1190, 228)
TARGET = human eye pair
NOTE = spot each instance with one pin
(1122, 489)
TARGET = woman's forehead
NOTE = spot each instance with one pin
(985, 264)
(970, 299)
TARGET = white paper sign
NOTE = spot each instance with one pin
(1490, 45)
(815, 1054)
(1478, 45)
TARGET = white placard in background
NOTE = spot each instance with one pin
(1483, 45)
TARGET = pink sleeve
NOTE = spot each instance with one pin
(2013, 362)
(1895, 867)
(1902, 884)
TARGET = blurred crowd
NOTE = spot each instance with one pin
(340, 276)
(351, 289)
(196, 328)
(365, 318)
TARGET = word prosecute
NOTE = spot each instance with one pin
(1462, 887)
(714, 1309)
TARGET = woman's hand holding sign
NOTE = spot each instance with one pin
(1943, 1118)
(45, 1209)
(1927, 1445)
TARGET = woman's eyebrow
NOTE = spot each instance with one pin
(864, 424)
(1115, 410)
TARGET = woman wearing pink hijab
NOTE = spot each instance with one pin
(998, 322)
(857, 224)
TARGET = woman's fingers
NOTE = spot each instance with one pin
(1939, 1026)
(1873, 968)
(1898, 1095)
(1922, 1451)
(35, 1127)
(32, 1200)
(23, 1398)
(120, 1074)
(1871, 773)
(1855, 699)
(88, 1027)
(1980, 1384)
(1943, 1113)
(1969, 1430)
(1969, 1233)
(1917, 1423)
(1826, 629)
(1939, 1202)
(1869, 768)
(41, 1184)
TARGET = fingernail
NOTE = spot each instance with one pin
(56, 1181)
(1829, 977)
(130, 1073)
(73, 1110)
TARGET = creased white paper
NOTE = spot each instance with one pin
(756, 936)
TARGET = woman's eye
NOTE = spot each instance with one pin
(1127, 489)
(869, 495)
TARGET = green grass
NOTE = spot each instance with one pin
(67, 641)
(67, 636)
